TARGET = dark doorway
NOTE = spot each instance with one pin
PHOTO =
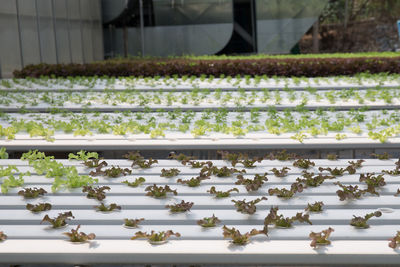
(243, 39)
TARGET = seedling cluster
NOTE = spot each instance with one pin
(208, 172)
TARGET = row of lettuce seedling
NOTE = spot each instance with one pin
(199, 97)
(300, 123)
(51, 168)
(194, 81)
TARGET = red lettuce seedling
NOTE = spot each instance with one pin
(361, 222)
(58, 221)
(225, 171)
(231, 157)
(193, 182)
(335, 171)
(209, 221)
(397, 193)
(220, 194)
(282, 156)
(284, 222)
(32, 192)
(395, 172)
(79, 237)
(132, 222)
(332, 157)
(169, 173)
(3, 236)
(134, 156)
(285, 193)
(38, 207)
(394, 241)
(155, 237)
(249, 163)
(372, 182)
(280, 173)
(180, 207)
(136, 183)
(159, 191)
(252, 184)
(237, 237)
(247, 207)
(312, 180)
(115, 172)
(356, 164)
(303, 163)
(320, 238)
(138, 160)
(384, 156)
(349, 192)
(95, 163)
(207, 170)
(146, 163)
(198, 164)
(96, 192)
(316, 207)
(243, 159)
(108, 208)
(181, 157)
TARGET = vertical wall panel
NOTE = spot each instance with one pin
(98, 47)
(10, 58)
(60, 13)
(60, 31)
(86, 14)
(29, 33)
(75, 30)
(46, 29)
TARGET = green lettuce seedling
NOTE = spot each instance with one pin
(3, 153)
(83, 155)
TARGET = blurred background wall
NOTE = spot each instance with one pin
(198, 27)
(49, 31)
